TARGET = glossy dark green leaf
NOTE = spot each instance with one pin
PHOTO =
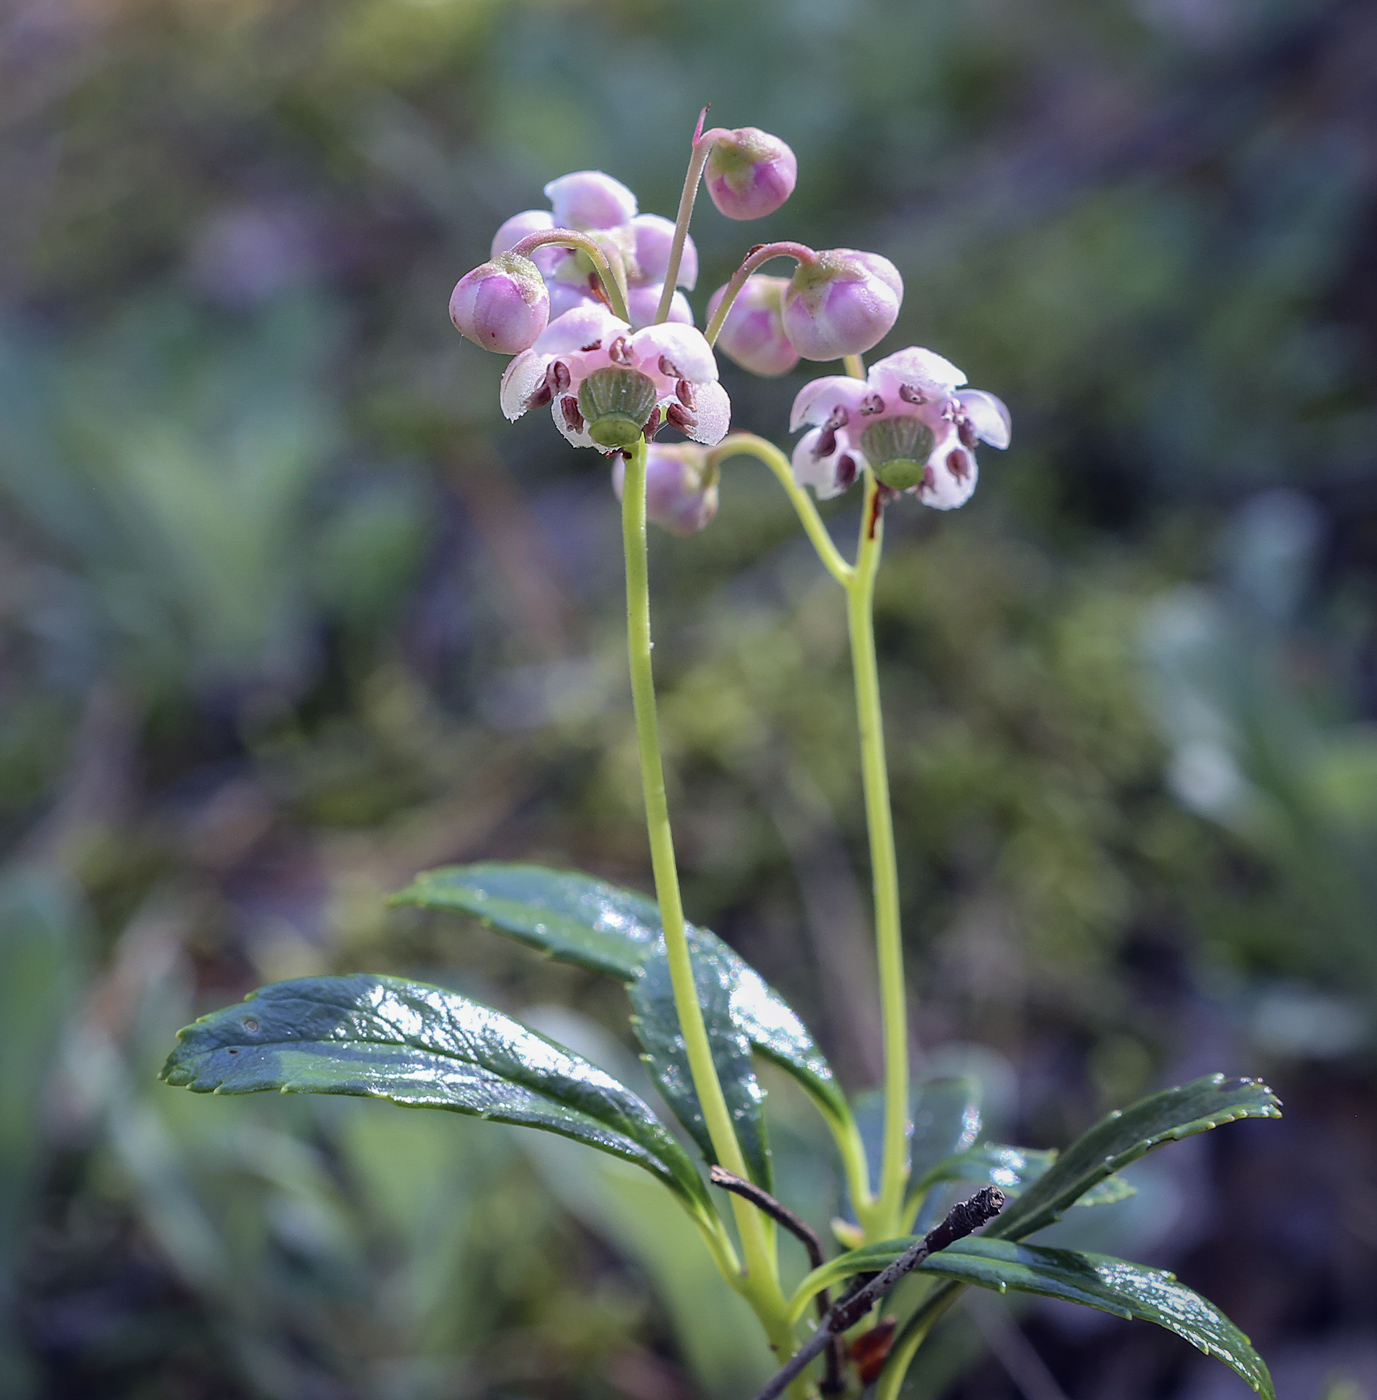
(571, 917)
(1094, 1280)
(581, 920)
(1127, 1134)
(1013, 1170)
(656, 1023)
(423, 1046)
(1112, 1285)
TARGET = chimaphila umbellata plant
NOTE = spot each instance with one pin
(586, 298)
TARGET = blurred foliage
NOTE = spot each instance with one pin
(288, 613)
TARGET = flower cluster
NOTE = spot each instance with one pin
(611, 380)
(908, 421)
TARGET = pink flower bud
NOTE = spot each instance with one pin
(588, 199)
(842, 304)
(502, 305)
(516, 228)
(643, 302)
(753, 333)
(750, 173)
(680, 489)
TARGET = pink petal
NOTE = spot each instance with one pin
(654, 238)
(548, 258)
(921, 369)
(581, 326)
(989, 417)
(644, 302)
(684, 346)
(816, 400)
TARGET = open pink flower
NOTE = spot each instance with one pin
(607, 384)
(908, 421)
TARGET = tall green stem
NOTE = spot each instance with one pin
(860, 599)
(761, 1282)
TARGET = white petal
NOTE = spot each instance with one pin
(589, 199)
(989, 416)
(948, 490)
(579, 439)
(684, 346)
(921, 369)
(713, 410)
(581, 326)
(520, 380)
(819, 472)
(817, 399)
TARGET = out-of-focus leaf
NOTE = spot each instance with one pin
(422, 1046)
(656, 1022)
(1095, 1280)
(1127, 1134)
(1013, 1170)
(946, 1119)
(582, 920)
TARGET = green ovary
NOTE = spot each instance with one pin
(897, 449)
(616, 405)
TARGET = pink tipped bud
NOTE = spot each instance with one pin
(502, 305)
(750, 173)
(680, 487)
(841, 304)
(753, 333)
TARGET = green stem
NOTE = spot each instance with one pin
(702, 146)
(913, 1335)
(757, 257)
(766, 452)
(761, 1281)
(883, 1221)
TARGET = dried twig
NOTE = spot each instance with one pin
(962, 1219)
(832, 1383)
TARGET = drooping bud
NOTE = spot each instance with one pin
(898, 450)
(680, 488)
(841, 304)
(753, 333)
(750, 173)
(616, 403)
(502, 305)
(588, 199)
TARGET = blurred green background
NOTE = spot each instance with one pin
(288, 612)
